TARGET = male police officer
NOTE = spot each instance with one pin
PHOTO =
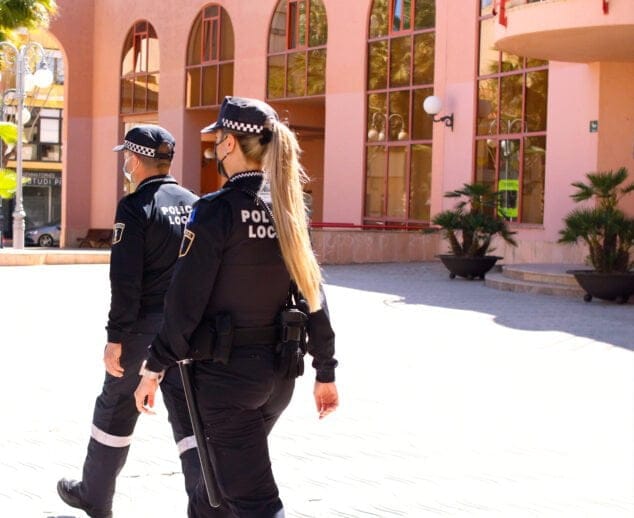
(147, 235)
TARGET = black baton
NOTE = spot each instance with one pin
(203, 453)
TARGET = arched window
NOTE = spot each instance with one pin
(210, 58)
(400, 75)
(140, 70)
(510, 150)
(297, 49)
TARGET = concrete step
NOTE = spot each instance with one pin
(544, 278)
(543, 273)
(499, 281)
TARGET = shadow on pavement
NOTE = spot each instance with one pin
(428, 283)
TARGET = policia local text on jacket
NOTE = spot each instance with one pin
(230, 262)
(148, 231)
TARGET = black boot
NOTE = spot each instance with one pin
(95, 492)
(70, 492)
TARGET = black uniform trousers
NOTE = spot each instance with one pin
(115, 417)
(239, 403)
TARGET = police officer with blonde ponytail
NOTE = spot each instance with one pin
(245, 302)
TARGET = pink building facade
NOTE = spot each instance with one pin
(540, 92)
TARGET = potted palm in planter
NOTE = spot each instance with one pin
(608, 233)
(470, 228)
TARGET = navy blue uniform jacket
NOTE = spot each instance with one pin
(147, 235)
(230, 261)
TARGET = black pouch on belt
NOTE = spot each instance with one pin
(223, 339)
(201, 342)
(292, 346)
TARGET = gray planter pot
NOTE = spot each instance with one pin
(468, 267)
(617, 286)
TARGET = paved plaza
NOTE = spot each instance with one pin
(456, 400)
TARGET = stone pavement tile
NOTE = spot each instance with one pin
(456, 400)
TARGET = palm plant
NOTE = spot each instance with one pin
(605, 229)
(471, 225)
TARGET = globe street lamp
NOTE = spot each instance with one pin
(432, 106)
(20, 57)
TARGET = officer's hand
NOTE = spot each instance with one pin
(144, 395)
(111, 357)
(326, 398)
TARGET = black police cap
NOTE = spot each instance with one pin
(244, 115)
(146, 140)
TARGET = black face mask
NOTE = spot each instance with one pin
(221, 168)
(219, 161)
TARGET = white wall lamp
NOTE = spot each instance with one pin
(432, 106)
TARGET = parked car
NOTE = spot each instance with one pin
(44, 235)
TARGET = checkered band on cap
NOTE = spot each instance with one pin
(242, 127)
(141, 150)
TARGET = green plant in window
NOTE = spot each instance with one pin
(510, 63)
(377, 65)
(379, 18)
(318, 24)
(296, 75)
(316, 72)
(425, 14)
(536, 100)
(400, 61)
(424, 49)
(511, 98)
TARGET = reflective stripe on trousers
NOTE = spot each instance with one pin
(114, 441)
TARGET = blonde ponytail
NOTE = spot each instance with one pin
(281, 161)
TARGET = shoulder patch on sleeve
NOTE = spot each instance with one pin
(117, 232)
(186, 243)
(192, 214)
